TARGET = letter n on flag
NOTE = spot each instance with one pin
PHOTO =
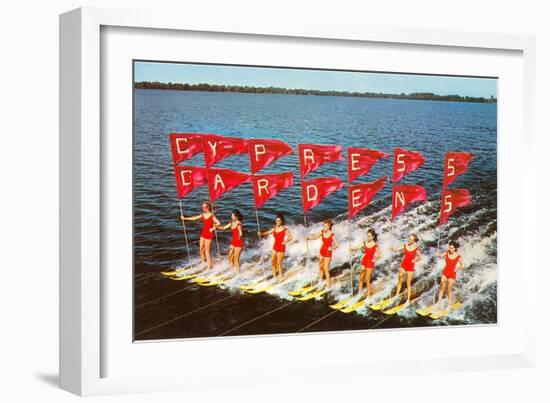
(312, 156)
(361, 160)
(185, 145)
(265, 151)
(217, 148)
(403, 195)
(269, 185)
(315, 190)
(221, 180)
(361, 195)
(456, 163)
(404, 162)
(188, 178)
(450, 201)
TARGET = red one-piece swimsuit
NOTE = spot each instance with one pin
(408, 261)
(368, 258)
(326, 251)
(207, 225)
(278, 245)
(236, 240)
(450, 265)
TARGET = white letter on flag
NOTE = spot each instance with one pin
(309, 197)
(183, 181)
(213, 146)
(355, 194)
(180, 151)
(308, 155)
(258, 149)
(217, 180)
(399, 195)
(263, 184)
(354, 162)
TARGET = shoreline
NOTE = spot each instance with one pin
(147, 85)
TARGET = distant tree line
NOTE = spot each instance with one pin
(298, 91)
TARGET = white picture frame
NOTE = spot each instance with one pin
(83, 185)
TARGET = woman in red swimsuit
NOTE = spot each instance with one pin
(453, 264)
(371, 256)
(411, 256)
(237, 243)
(329, 243)
(282, 236)
(209, 223)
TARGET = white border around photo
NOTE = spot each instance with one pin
(97, 355)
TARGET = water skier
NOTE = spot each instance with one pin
(209, 222)
(329, 243)
(281, 236)
(372, 255)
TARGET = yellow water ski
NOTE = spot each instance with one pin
(186, 277)
(425, 311)
(302, 290)
(381, 304)
(444, 312)
(341, 304)
(396, 309)
(219, 281)
(252, 285)
(312, 295)
(355, 306)
(263, 288)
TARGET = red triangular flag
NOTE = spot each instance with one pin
(265, 151)
(403, 195)
(188, 178)
(450, 201)
(312, 156)
(404, 162)
(185, 145)
(456, 163)
(221, 180)
(315, 190)
(217, 148)
(360, 161)
(267, 186)
(359, 196)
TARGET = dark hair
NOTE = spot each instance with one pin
(415, 237)
(237, 214)
(329, 222)
(454, 244)
(281, 217)
(373, 233)
(208, 204)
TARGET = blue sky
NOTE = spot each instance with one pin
(314, 79)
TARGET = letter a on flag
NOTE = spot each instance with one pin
(312, 156)
(450, 201)
(403, 195)
(361, 160)
(185, 145)
(188, 178)
(221, 180)
(315, 190)
(269, 185)
(217, 148)
(265, 151)
(359, 196)
(404, 162)
(456, 163)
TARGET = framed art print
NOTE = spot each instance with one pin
(279, 186)
(248, 191)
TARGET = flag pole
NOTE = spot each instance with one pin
(261, 262)
(185, 232)
(210, 197)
